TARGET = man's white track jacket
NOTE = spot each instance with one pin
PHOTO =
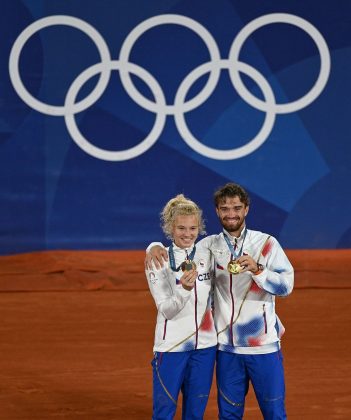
(244, 303)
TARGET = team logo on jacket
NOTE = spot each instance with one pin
(152, 277)
(204, 276)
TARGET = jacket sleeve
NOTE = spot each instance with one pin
(205, 243)
(278, 276)
(169, 300)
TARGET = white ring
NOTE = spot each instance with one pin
(180, 105)
(34, 103)
(302, 24)
(238, 152)
(189, 23)
(103, 154)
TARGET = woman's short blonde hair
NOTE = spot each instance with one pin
(180, 206)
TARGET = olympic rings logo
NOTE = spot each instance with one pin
(180, 106)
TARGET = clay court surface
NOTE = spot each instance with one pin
(77, 334)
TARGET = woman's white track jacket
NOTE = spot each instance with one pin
(184, 318)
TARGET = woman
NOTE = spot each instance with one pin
(185, 336)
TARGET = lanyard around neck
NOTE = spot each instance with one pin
(172, 258)
(230, 245)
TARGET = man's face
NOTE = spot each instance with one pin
(232, 212)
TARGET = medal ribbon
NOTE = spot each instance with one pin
(172, 258)
(231, 248)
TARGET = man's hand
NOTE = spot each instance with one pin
(247, 263)
(157, 255)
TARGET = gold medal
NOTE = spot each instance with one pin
(234, 268)
(188, 265)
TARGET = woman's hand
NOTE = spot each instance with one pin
(188, 279)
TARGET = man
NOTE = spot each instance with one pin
(251, 269)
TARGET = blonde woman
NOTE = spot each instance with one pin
(185, 336)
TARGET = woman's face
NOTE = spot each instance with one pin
(185, 230)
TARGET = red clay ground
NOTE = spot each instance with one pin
(77, 333)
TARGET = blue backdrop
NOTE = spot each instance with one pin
(109, 108)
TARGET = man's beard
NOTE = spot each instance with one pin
(229, 227)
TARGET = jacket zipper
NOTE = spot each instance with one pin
(264, 318)
(232, 298)
(196, 323)
(165, 329)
